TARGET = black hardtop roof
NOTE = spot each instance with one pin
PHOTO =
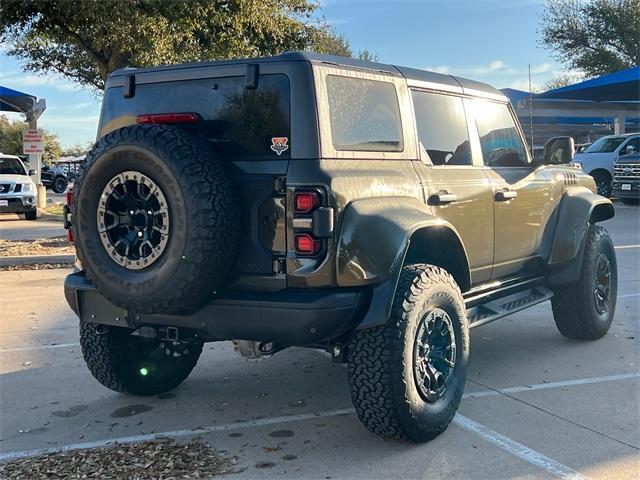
(406, 72)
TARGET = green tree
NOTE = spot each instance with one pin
(561, 79)
(76, 150)
(11, 140)
(85, 40)
(367, 56)
(594, 36)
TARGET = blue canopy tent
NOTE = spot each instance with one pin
(15, 101)
(585, 110)
(622, 86)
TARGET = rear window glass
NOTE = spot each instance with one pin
(442, 128)
(364, 114)
(239, 122)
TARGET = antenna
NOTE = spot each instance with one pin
(530, 111)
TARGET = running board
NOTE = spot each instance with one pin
(501, 307)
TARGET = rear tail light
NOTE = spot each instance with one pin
(306, 202)
(168, 118)
(306, 244)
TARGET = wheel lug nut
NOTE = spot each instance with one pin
(131, 212)
(139, 233)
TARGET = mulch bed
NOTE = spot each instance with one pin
(43, 246)
(162, 459)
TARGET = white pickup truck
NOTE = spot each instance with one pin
(17, 190)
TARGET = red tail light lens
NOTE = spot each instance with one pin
(307, 245)
(170, 118)
(66, 212)
(305, 202)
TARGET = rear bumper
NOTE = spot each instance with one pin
(291, 317)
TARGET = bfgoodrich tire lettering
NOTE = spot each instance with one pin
(381, 360)
(202, 241)
(578, 309)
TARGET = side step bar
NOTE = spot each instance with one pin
(501, 307)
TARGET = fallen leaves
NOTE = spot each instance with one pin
(162, 459)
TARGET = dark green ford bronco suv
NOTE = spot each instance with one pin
(374, 211)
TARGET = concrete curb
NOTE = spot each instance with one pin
(36, 259)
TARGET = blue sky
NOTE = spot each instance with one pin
(488, 40)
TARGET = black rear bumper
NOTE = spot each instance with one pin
(290, 317)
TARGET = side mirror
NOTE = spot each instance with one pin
(32, 173)
(629, 150)
(558, 151)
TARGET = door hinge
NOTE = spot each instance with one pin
(280, 266)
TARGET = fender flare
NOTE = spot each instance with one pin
(384, 226)
(579, 207)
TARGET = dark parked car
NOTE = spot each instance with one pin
(374, 211)
(54, 177)
(626, 179)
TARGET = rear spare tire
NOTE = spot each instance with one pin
(154, 219)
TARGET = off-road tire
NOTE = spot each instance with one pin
(59, 185)
(603, 183)
(203, 219)
(574, 307)
(381, 374)
(31, 214)
(115, 358)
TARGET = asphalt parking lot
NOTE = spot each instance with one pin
(536, 404)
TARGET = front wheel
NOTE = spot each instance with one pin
(31, 214)
(407, 377)
(603, 183)
(131, 364)
(584, 309)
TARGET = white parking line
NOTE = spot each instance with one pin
(503, 442)
(624, 247)
(545, 386)
(4, 457)
(519, 450)
(629, 295)
(40, 347)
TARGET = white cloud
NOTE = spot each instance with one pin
(523, 84)
(542, 68)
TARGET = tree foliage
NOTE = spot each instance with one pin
(594, 36)
(562, 79)
(11, 140)
(86, 40)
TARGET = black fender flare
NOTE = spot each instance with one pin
(374, 241)
(578, 208)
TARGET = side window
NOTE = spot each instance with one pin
(364, 114)
(501, 143)
(442, 128)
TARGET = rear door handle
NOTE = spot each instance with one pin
(442, 198)
(505, 195)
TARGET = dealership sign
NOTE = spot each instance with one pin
(32, 142)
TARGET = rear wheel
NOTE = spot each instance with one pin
(59, 185)
(130, 364)
(407, 377)
(584, 309)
